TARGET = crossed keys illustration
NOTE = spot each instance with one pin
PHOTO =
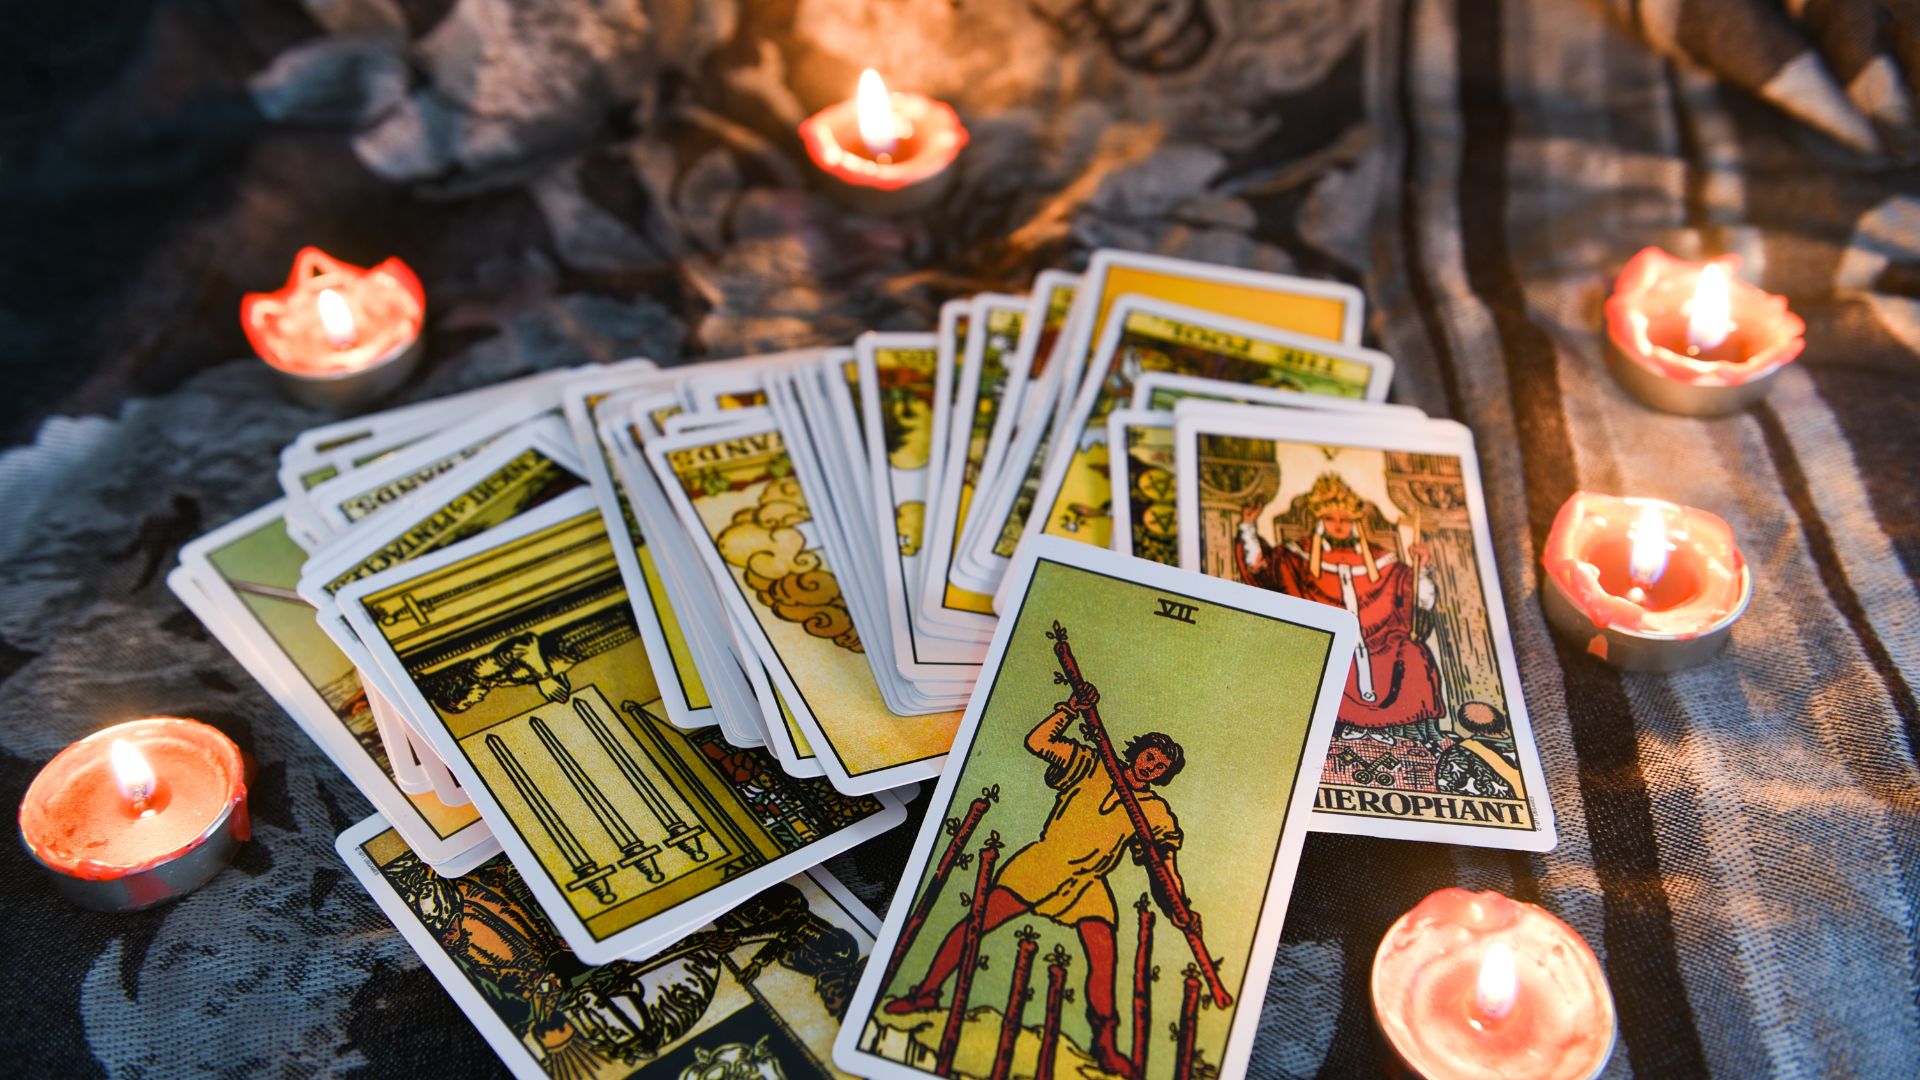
(1378, 772)
(1096, 734)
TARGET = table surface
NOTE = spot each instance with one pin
(1740, 842)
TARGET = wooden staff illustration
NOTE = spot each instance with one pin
(1185, 1032)
(1144, 974)
(1017, 995)
(1057, 993)
(1181, 915)
(955, 855)
(969, 956)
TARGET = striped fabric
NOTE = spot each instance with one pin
(1740, 842)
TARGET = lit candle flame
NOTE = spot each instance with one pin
(1709, 313)
(132, 773)
(1649, 559)
(1494, 991)
(874, 107)
(336, 319)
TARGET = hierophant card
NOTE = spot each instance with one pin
(757, 993)
(1386, 520)
(1128, 791)
(519, 650)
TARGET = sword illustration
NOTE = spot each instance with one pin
(587, 873)
(1096, 732)
(679, 833)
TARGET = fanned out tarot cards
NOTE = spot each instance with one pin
(620, 654)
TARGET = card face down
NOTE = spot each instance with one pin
(1217, 757)
(1385, 519)
(520, 651)
(759, 992)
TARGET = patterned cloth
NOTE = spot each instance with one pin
(589, 179)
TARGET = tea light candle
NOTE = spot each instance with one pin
(137, 814)
(1692, 338)
(1475, 985)
(1643, 584)
(338, 335)
(885, 152)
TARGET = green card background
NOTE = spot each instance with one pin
(1235, 689)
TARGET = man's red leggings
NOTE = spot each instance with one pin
(1096, 940)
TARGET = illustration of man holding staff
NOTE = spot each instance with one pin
(1063, 874)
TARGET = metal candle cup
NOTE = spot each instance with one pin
(1692, 338)
(338, 335)
(870, 172)
(1665, 618)
(138, 814)
(1475, 985)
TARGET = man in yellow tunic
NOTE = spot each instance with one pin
(1063, 874)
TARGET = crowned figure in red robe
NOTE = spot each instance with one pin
(1393, 681)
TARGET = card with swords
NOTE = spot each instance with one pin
(517, 656)
(1119, 774)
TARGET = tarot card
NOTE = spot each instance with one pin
(714, 647)
(1385, 519)
(1074, 497)
(985, 386)
(738, 383)
(1170, 746)
(1146, 514)
(778, 729)
(759, 992)
(520, 647)
(950, 343)
(838, 533)
(730, 416)
(738, 491)
(524, 468)
(1326, 310)
(1146, 519)
(309, 458)
(684, 695)
(346, 500)
(248, 571)
(404, 756)
(897, 396)
(1040, 330)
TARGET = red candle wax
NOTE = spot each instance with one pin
(385, 306)
(927, 136)
(1590, 549)
(1682, 351)
(114, 842)
(1552, 1019)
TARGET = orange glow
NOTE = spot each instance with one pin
(132, 774)
(1650, 547)
(333, 318)
(1710, 312)
(879, 128)
(336, 318)
(1496, 986)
